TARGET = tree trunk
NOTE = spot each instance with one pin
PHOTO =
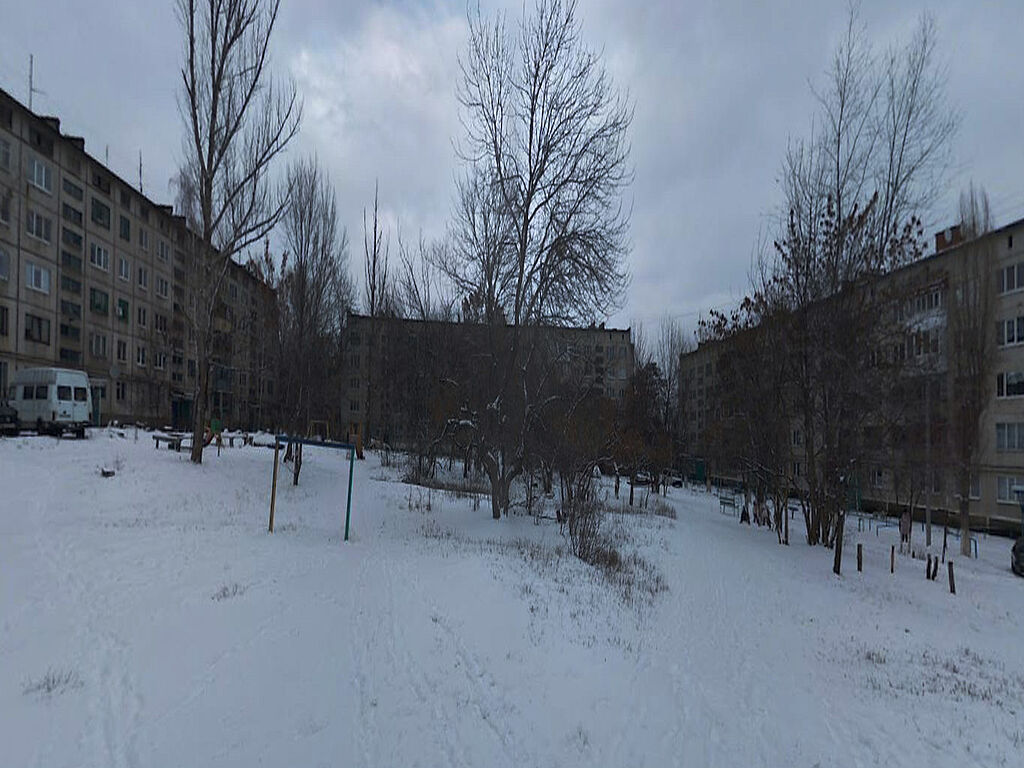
(965, 523)
(297, 466)
(837, 561)
(199, 407)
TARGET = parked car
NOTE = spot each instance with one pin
(53, 400)
(1017, 557)
(9, 424)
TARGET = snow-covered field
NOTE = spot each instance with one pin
(149, 620)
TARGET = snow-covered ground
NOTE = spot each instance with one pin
(149, 620)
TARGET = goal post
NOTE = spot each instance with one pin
(280, 440)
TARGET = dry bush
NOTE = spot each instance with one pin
(55, 681)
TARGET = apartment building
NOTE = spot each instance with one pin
(917, 337)
(410, 359)
(93, 277)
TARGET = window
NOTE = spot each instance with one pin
(5, 265)
(64, 393)
(5, 208)
(70, 332)
(37, 278)
(70, 285)
(1005, 485)
(353, 405)
(99, 256)
(140, 356)
(81, 394)
(878, 478)
(163, 251)
(40, 175)
(42, 391)
(233, 291)
(1011, 278)
(70, 356)
(4, 323)
(143, 239)
(162, 287)
(160, 360)
(142, 317)
(1010, 384)
(124, 270)
(798, 438)
(143, 278)
(73, 190)
(98, 344)
(126, 199)
(71, 239)
(71, 309)
(5, 154)
(1010, 437)
(1010, 332)
(160, 322)
(101, 182)
(38, 226)
(70, 262)
(120, 390)
(122, 310)
(100, 213)
(72, 214)
(99, 301)
(126, 229)
(122, 351)
(37, 329)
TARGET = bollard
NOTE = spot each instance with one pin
(952, 583)
(860, 557)
(892, 559)
(928, 569)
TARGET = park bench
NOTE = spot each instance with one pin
(173, 441)
(728, 505)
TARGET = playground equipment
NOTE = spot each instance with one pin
(280, 440)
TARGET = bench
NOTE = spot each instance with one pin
(728, 505)
(173, 441)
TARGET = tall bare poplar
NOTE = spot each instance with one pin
(237, 120)
(970, 319)
(547, 157)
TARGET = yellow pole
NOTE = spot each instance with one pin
(273, 488)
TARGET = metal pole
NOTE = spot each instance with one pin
(348, 507)
(273, 488)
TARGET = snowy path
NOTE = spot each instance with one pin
(179, 633)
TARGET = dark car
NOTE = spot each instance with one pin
(9, 424)
(1017, 557)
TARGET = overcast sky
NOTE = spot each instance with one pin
(719, 86)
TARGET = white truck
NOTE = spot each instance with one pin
(53, 400)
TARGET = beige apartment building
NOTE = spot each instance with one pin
(92, 277)
(917, 335)
(407, 357)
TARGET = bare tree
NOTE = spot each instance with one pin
(971, 315)
(378, 298)
(237, 120)
(314, 295)
(671, 343)
(546, 148)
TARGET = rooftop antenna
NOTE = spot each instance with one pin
(140, 173)
(31, 85)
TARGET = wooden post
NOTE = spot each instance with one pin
(892, 559)
(928, 568)
(952, 583)
(860, 557)
(273, 487)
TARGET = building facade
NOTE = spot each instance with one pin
(398, 368)
(911, 465)
(93, 277)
